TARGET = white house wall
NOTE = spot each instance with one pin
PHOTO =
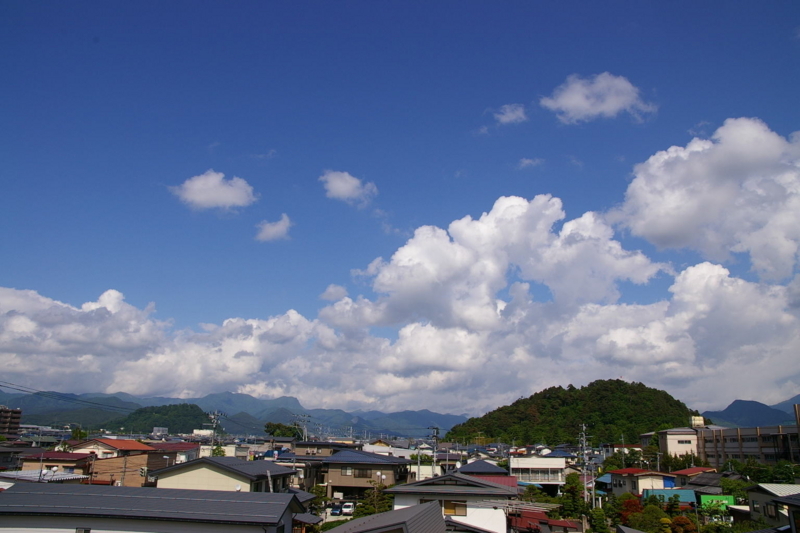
(483, 517)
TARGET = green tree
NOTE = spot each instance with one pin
(666, 526)
(375, 501)
(423, 458)
(598, 521)
(674, 506)
(79, 434)
(218, 451)
(648, 520)
(276, 429)
(735, 488)
(629, 506)
(613, 508)
(572, 503)
(320, 500)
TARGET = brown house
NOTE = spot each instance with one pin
(353, 472)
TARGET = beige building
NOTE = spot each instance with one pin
(766, 445)
(225, 473)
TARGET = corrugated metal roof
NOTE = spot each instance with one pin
(780, 490)
(147, 503)
(41, 476)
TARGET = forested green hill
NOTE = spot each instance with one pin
(178, 418)
(609, 408)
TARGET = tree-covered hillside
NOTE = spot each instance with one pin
(178, 418)
(609, 408)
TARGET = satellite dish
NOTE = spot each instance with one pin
(458, 464)
(238, 487)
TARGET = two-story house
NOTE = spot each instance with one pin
(351, 473)
(635, 480)
(463, 499)
(762, 507)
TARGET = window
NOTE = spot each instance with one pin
(455, 508)
(82, 530)
(684, 442)
(363, 472)
(347, 470)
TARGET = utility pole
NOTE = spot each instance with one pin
(435, 445)
(214, 417)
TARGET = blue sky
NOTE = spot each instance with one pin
(357, 128)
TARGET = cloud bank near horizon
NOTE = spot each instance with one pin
(520, 296)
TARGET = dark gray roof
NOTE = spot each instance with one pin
(252, 470)
(302, 496)
(455, 525)
(308, 518)
(424, 518)
(793, 500)
(357, 456)
(455, 483)
(482, 467)
(147, 503)
(625, 529)
(712, 479)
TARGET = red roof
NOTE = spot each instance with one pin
(175, 446)
(626, 471)
(124, 444)
(508, 481)
(694, 470)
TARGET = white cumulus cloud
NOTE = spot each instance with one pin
(526, 162)
(333, 292)
(738, 192)
(511, 114)
(272, 231)
(343, 186)
(211, 190)
(603, 95)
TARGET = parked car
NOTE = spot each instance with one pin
(336, 509)
(348, 508)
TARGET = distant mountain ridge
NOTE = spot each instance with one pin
(748, 413)
(245, 413)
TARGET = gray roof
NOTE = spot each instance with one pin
(455, 483)
(424, 518)
(302, 496)
(252, 470)
(147, 503)
(625, 529)
(357, 456)
(776, 489)
(482, 467)
(40, 476)
(455, 525)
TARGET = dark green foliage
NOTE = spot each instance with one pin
(649, 520)
(375, 501)
(572, 503)
(609, 408)
(179, 418)
(598, 521)
(736, 488)
(423, 458)
(320, 500)
(218, 451)
(276, 429)
(325, 526)
(783, 472)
